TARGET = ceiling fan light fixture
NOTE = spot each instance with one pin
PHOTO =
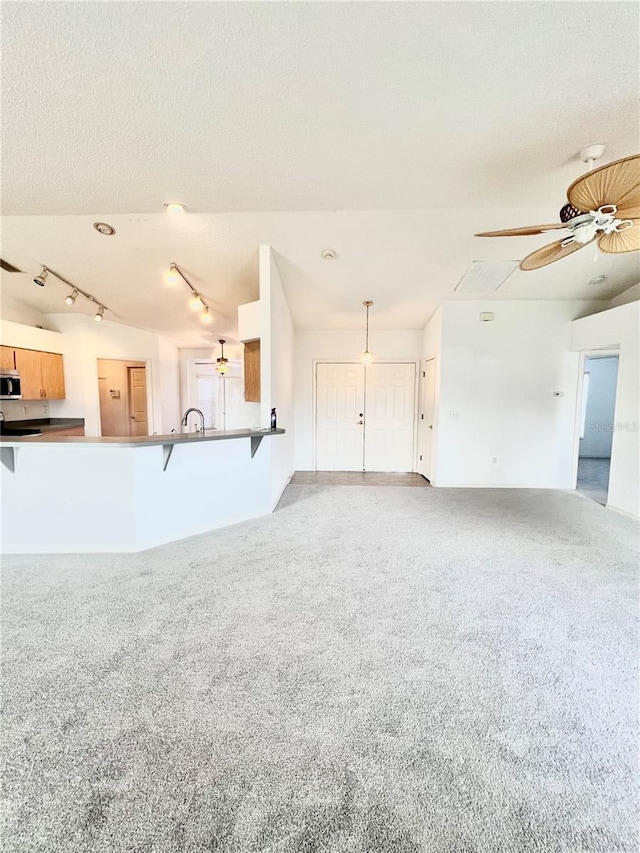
(222, 363)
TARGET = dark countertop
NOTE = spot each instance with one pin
(142, 440)
(43, 424)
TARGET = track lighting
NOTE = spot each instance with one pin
(367, 358)
(222, 363)
(42, 277)
(76, 291)
(196, 302)
(172, 276)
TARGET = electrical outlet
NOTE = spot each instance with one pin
(454, 415)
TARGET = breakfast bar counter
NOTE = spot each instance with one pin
(70, 494)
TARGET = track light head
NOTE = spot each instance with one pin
(41, 277)
(99, 315)
(196, 303)
(206, 317)
(71, 297)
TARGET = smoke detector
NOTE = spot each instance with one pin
(329, 255)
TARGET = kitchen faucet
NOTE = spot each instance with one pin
(186, 415)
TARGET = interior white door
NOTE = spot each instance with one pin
(389, 417)
(427, 406)
(138, 419)
(339, 417)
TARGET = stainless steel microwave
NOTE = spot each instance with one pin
(10, 385)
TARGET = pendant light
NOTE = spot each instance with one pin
(367, 358)
(222, 363)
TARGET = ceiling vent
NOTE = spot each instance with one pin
(7, 267)
(485, 276)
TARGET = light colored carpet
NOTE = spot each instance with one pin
(369, 670)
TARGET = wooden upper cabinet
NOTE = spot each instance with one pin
(41, 374)
(52, 376)
(252, 372)
(29, 363)
(7, 358)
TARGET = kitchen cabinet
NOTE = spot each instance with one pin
(7, 358)
(79, 430)
(252, 372)
(41, 374)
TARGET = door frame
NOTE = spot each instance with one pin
(140, 362)
(584, 355)
(421, 424)
(416, 402)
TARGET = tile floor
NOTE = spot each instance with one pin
(356, 478)
(593, 479)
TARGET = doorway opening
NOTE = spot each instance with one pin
(123, 395)
(220, 397)
(365, 416)
(599, 383)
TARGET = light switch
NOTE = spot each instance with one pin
(454, 415)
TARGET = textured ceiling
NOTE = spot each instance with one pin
(387, 131)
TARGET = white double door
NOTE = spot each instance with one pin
(365, 417)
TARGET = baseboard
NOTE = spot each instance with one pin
(279, 498)
(623, 512)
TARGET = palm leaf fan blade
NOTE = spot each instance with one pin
(616, 183)
(549, 254)
(621, 241)
(519, 232)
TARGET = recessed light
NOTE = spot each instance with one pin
(598, 279)
(104, 228)
(174, 208)
(329, 255)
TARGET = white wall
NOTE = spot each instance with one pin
(344, 345)
(498, 421)
(85, 341)
(619, 327)
(16, 311)
(601, 401)
(632, 294)
(276, 370)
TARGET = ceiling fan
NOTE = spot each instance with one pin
(603, 205)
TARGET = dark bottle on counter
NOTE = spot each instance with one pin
(273, 419)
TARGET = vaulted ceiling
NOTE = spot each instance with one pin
(389, 132)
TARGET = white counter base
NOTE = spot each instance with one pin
(100, 497)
